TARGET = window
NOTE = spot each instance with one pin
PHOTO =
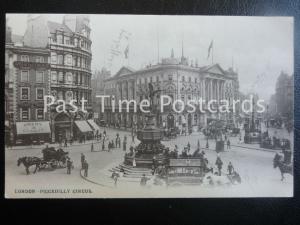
(25, 93)
(60, 95)
(69, 77)
(59, 39)
(53, 77)
(68, 60)
(24, 113)
(67, 40)
(78, 61)
(182, 98)
(74, 61)
(39, 59)
(39, 77)
(53, 57)
(60, 59)
(39, 114)
(39, 93)
(74, 78)
(69, 96)
(25, 58)
(170, 77)
(24, 76)
(61, 77)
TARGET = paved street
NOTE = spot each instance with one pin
(254, 166)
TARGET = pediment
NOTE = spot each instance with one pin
(124, 71)
(215, 69)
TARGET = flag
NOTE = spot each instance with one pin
(126, 52)
(209, 48)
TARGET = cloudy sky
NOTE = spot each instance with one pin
(259, 48)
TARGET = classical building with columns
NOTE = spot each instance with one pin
(178, 79)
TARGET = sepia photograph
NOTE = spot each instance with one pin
(148, 106)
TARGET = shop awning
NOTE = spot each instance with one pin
(94, 125)
(83, 126)
(41, 127)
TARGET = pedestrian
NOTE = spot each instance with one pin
(207, 145)
(219, 164)
(109, 146)
(124, 143)
(115, 177)
(103, 145)
(117, 139)
(154, 162)
(82, 158)
(71, 140)
(144, 180)
(188, 147)
(230, 168)
(86, 168)
(228, 144)
(92, 147)
(69, 166)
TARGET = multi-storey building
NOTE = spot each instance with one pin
(69, 44)
(177, 79)
(26, 83)
(65, 52)
(98, 86)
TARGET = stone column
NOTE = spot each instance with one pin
(218, 91)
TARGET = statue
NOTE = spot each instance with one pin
(151, 95)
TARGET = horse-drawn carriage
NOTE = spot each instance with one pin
(54, 158)
(51, 159)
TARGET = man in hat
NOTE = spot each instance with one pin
(86, 168)
(69, 166)
(219, 164)
(82, 159)
(230, 168)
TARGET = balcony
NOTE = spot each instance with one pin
(65, 85)
(65, 47)
(68, 67)
(31, 65)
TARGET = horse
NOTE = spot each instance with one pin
(30, 161)
(283, 167)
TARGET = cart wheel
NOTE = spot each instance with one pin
(53, 164)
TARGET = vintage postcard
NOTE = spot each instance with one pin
(144, 106)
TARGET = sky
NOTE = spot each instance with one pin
(258, 48)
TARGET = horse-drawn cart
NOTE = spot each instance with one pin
(53, 158)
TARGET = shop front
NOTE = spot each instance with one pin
(29, 133)
(62, 129)
(83, 131)
(95, 127)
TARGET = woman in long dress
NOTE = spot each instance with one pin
(133, 162)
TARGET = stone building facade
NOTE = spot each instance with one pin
(27, 80)
(65, 49)
(177, 79)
